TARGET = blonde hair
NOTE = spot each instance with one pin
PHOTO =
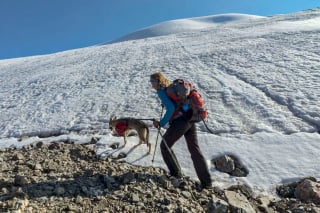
(163, 80)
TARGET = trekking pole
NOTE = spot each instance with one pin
(171, 154)
(177, 164)
(155, 147)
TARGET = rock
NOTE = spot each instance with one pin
(238, 173)
(164, 181)
(264, 203)
(59, 191)
(20, 205)
(175, 182)
(108, 181)
(79, 199)
(224, 164)
(308, 191)
(18, 157)
(315, 210)
(286, 190)
(238, 202)
(94, 140)
(128, 177)
(38, 166)
(38, 144)
(135, 198)
(230, 164)
(115, 145)
(243, 189)
(217, 205)
(121, 155)
(53, 146)
(62, 177)
(21, 180)
(186, 194)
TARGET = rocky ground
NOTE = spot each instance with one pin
(62, 177)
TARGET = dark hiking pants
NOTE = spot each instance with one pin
(177, 129)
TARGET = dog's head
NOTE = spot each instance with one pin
(112, 122)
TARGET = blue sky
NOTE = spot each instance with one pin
(35, 27)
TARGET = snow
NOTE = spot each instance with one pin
(259, 77)
(184, 25)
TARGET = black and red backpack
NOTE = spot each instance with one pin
(187, 100)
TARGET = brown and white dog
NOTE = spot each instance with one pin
(123, 127)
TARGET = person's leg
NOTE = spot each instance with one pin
(198, 159)
(173, 133)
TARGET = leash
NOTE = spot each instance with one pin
(144, 119)
(155, 147)
(205, 124)
(153, 119)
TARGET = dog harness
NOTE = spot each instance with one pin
(121, 128)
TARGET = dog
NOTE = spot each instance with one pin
(124, 126)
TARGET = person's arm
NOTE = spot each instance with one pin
(169, 106)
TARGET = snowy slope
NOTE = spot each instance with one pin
(259, 77)
(186, 25)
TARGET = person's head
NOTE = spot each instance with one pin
(159, 80)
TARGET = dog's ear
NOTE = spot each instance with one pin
(112, 118)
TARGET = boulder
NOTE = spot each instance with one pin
(230, 164)
(308, 191)
(238, 202)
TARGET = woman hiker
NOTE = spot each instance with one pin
(178, 126)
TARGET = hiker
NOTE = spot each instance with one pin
(178, 126)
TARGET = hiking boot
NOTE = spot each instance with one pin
(177, 175)
(206, 185)
(201, 186)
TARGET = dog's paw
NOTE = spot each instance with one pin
(114, 145)
(121, 155)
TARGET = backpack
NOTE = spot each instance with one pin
(187, 100)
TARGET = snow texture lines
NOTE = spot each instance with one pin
(241, 108)
(254, 75)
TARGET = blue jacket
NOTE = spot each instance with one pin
(168, 104)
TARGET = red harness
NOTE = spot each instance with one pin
(121, 128)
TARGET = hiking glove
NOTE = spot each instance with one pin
(156, 124)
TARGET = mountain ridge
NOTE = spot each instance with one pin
(185, 25)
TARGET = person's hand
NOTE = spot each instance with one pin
(156, 124)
